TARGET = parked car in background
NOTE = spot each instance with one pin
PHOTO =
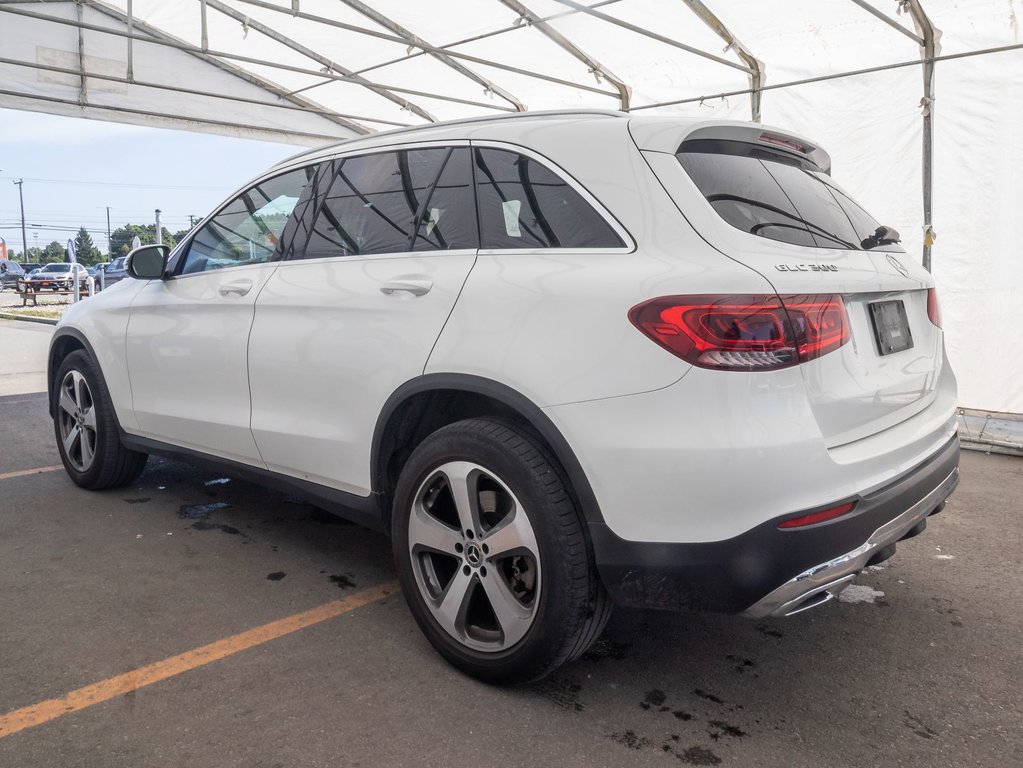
(10, 273)
(96, 272)
(565, 359)
(58, 276)
(114, 272)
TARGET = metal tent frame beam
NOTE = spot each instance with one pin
(320, 59)
(595, 67)
(757, 72)
(414, 40)
(426, 50)
(160, 37)
(653, 35)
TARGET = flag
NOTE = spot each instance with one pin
(71, 251)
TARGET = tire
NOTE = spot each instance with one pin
(501, 619)
(85, 428)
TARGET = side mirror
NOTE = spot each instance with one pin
(147, 262)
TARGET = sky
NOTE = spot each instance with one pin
(74, 168)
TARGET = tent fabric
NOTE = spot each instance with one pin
(306, 71)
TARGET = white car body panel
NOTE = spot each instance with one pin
(188, 361)
(328, 347)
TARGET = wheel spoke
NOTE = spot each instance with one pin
(450, 609)
(89, 418)
(513, 617)
(513, 537)
(67, 403)
(69, 440)
(427, 532)
(88, 447)
(462, 483)
(80, 387)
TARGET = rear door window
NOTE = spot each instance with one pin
(523, 204)
(774, 194)
(391, 202)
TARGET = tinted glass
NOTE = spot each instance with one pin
(393, 202)
(247, 230)
(744, 194)
(522, 204)
(776, 195)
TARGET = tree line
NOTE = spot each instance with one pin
(88, 254)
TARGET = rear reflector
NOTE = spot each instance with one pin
(818, 517)
(933, 307)
(746, 333)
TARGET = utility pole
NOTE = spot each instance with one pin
(24, 239)
(109, 251)
(159, 232)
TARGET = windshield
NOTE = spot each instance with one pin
(57, 268)
(774, 194)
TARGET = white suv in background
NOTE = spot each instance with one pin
(565, 359)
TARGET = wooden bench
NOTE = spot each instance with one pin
(28, 292)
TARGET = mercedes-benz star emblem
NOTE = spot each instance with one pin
(898, 265)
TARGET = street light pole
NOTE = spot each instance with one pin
(24, 238)
(159, 232)
(109, 249)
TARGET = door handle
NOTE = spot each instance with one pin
(239, 287)
(415, 287)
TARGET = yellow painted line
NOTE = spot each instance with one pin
(26, 472)
(104, 690)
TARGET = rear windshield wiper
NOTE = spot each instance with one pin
(882, 236)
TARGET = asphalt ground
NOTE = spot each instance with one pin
(155, 625)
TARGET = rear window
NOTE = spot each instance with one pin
(774, 194)
(523, 204)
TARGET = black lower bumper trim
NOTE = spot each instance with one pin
(731, 575)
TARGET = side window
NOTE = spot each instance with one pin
(393, 202)
(522, 204)
(247, 230)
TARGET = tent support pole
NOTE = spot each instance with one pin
(755, 65)
(83, 93)
(131, 41)
(929, 50)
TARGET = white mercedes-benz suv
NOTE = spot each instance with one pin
(565, 359)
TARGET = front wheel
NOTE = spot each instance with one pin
(86, 429)
(491, 554)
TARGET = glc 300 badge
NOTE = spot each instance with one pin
(806, 267)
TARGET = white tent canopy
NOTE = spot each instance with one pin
(306, 71)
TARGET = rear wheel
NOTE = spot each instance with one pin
(86, 429)
(491, 554)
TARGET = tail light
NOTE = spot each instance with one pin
(933, 307)
(746, 333)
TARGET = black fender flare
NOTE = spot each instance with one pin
(526, 408)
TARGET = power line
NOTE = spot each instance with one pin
(128, 185)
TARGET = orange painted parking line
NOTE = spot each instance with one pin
(97, 693)
(26, 472)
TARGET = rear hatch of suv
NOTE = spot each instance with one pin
(766, 199)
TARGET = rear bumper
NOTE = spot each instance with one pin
(771, 572)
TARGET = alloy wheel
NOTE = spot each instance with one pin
(475, 557)
(77, 421)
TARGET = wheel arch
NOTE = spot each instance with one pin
(64, 342)
(425, 404)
